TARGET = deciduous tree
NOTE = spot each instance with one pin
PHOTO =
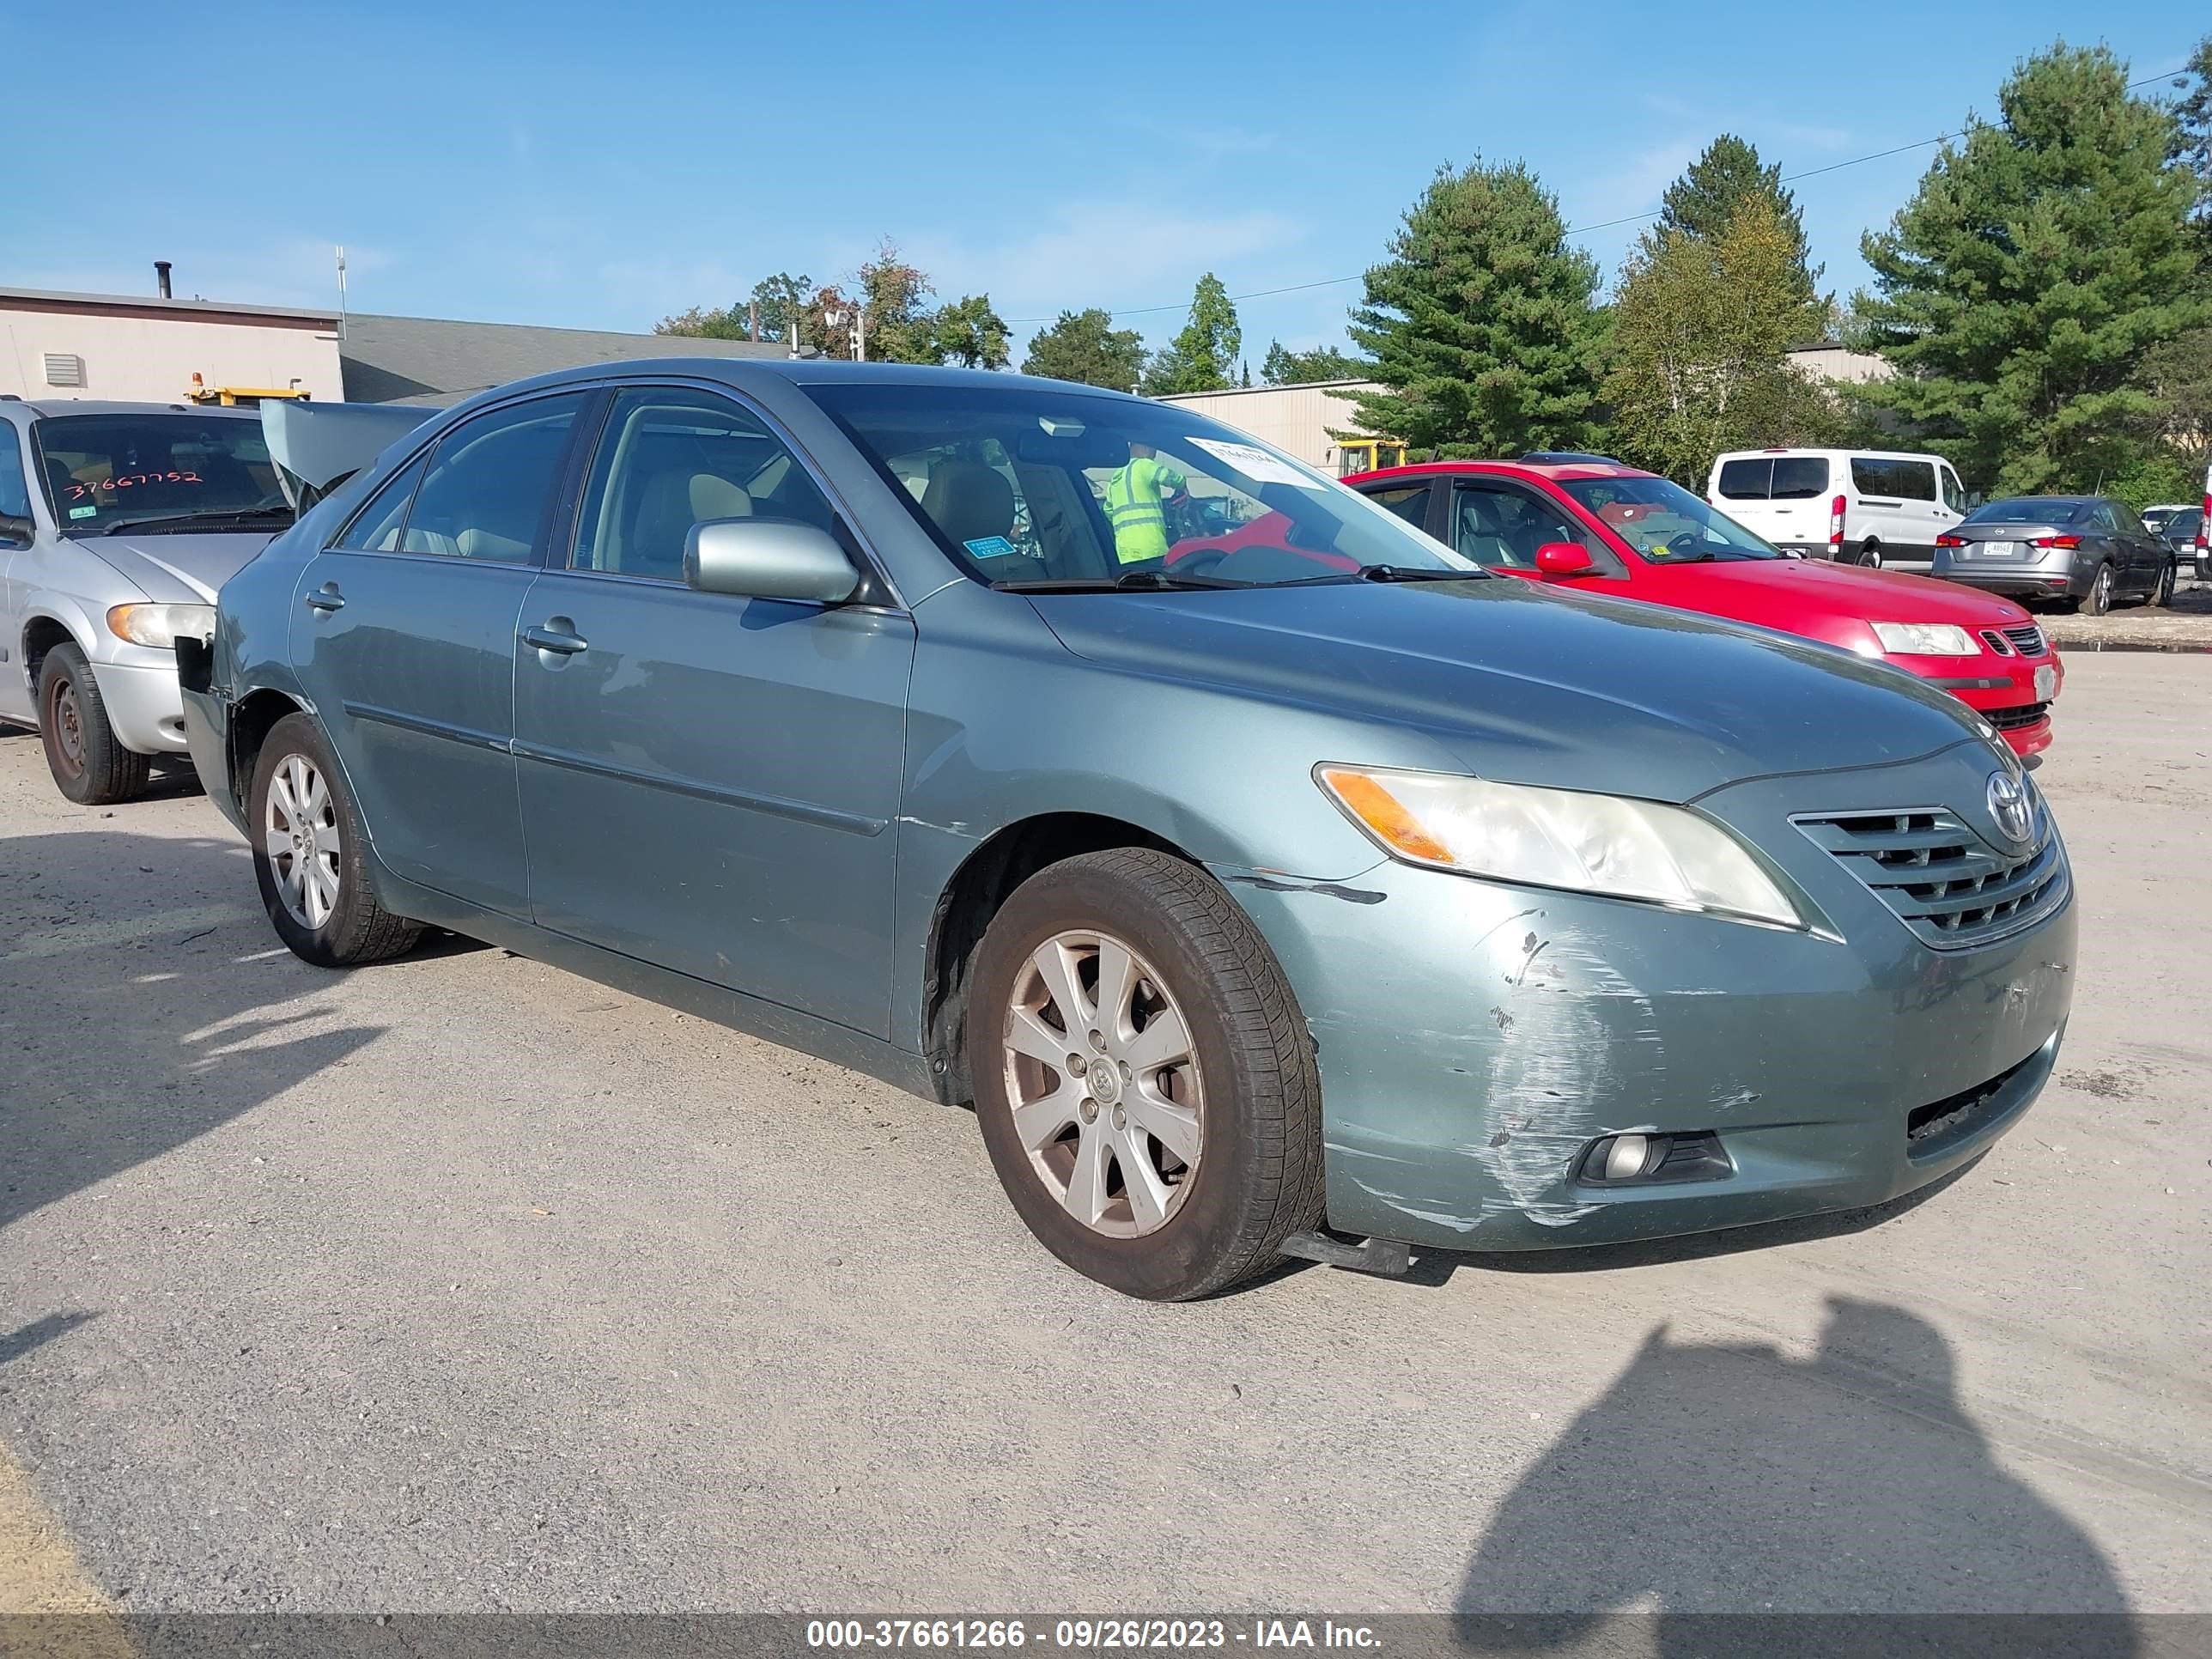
(1201, 356)
(1085, 346)
(1284, 367)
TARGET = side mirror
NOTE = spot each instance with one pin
(1564, 560)
(16, 530)
(767, 559)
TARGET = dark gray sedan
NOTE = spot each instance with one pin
(1245, 886)
(2084, 552)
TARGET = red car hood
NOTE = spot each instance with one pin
(1811, 596)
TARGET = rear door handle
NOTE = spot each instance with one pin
(326, 598)
(551, 636)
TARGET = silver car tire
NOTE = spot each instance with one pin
(1143, 1078)
(308, 855)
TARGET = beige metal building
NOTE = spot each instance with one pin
(1304, 420)
(147, 348)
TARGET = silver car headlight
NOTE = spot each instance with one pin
(1925, 639)
(162, 625)
(1567, 838)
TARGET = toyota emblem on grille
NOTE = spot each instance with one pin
(2008, 806)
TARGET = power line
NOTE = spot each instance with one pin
(1572, 230)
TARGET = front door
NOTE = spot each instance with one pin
(710, 783)
(403, 638)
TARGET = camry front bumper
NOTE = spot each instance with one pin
(1477, 1041)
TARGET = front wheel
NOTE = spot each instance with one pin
(2162, 594)
(1143, 1078)
(90, 765)
(309, 854)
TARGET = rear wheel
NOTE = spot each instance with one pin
(1870, 555)
(1143, 1080)
(309, 854)
(90, 765)
(2099, 599)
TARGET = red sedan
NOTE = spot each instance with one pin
(1593, 524)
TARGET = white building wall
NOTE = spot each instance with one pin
(1294, 418)
(153, 359)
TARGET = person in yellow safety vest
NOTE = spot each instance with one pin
(1133, 506)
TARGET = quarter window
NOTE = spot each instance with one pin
(376, 527)
(485, 494)
(1954, 497)
(670, 459)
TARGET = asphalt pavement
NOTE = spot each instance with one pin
(463, 1284)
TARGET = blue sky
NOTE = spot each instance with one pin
(599, 166)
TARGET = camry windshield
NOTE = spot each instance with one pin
(158, 471)
(1665, 522)
(1032, 486)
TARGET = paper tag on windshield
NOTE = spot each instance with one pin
(83, 512)
(1257, 464)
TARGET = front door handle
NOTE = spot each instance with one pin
(326, 598)
(555, 634)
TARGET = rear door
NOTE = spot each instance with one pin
(402, 636)
(1784, 498)
(708, 782)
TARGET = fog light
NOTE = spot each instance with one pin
(1624, 1159)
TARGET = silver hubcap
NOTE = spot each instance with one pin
(300, 831)
(2103, 586)
(1106, 1098)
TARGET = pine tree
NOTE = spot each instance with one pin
(1480, 323)
(1201, 358)
(1085, 346)
(2041, 258)
(1716, 186)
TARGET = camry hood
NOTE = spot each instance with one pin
(178, 569)
(1527, 685)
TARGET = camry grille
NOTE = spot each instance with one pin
(1950, 886)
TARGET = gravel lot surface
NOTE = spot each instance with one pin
(464, 1284)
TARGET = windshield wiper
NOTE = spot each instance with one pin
(1390, 572)
(1129, 581)
(203, 519)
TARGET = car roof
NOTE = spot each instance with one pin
(1831, 454)
(1553, 469)
(44, 407)
(752, 372)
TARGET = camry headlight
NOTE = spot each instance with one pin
(1925, 639)
(1588, 843)
(162, 625)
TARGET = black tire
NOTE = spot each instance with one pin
(355, 929)
(2099, 600)
(1870, 555)
(1258, 1178)
(90, 765)
(2161, 593)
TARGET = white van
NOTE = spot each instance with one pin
(1860, 506)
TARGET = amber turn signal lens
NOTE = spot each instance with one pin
(1381, 812)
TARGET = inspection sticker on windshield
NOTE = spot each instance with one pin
(1257, 464)
(83, 512)
(989, 547)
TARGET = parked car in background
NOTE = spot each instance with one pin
(2183, 533)
(1604, 528)
(1383, 892)
(118, 523)
(2080, 552)
(1854, 506)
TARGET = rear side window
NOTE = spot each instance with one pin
(1910, 481)
(490, 481)
(1747, 480)
(376, 528)
(1409, 502)
(1800, 477)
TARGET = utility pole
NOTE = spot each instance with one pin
(341, 293)
(752, 322)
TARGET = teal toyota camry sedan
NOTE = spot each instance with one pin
(1320, 894)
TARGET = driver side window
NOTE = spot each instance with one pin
(1500, 527)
